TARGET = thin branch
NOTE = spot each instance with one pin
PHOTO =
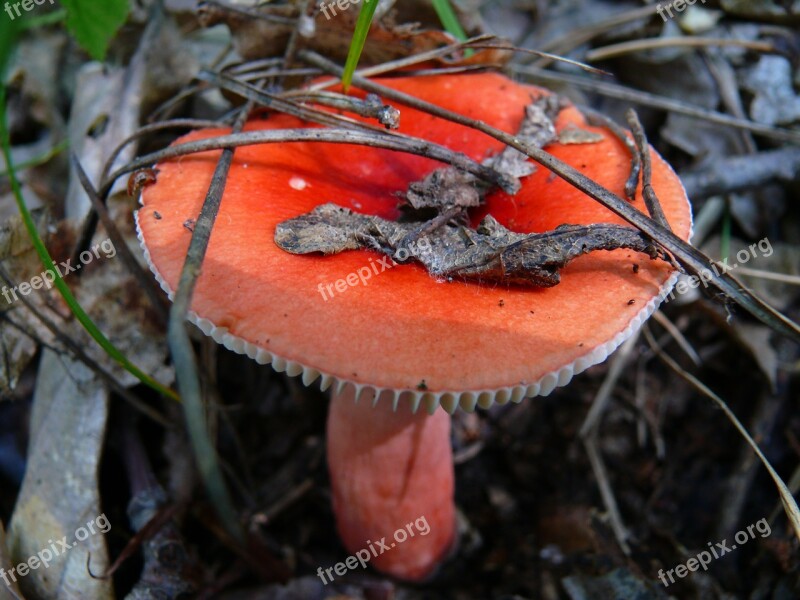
(146, 283)
(648, 193)
(539, 53)
(147, 129)
(403, 63)
(185, 361)
(573, 38)
(288, 104)
(614, 50)
(771, 276)
(660, 318)
(337, 136)
(613, 90)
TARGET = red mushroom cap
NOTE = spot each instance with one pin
(456, 343)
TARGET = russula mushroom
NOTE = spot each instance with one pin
(399, 338)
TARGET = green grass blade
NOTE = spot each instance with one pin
(49, 265)
(725, 237)
(449, 19)
(359, 39)
(9, 32)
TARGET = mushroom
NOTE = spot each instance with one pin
(392, 335)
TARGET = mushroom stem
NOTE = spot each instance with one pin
(392, 481)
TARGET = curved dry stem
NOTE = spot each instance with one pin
(148, 129)
(614, 50)
(620, 92)
(399, 143)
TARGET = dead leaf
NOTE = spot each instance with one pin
(59, 493)
(5, 593)
(333, 29)
(775, 101)
(21, 263)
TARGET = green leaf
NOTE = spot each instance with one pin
(358, 41)
(94, 23)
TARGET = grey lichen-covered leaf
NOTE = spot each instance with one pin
(490, 253)
(60, 493)
(775, 101)
(444, 188)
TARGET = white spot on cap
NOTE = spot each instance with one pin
(356, 203)
(298, 183)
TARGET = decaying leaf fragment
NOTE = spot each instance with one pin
(263, 29)
(451, 191)
(537, 129)
(490, 253)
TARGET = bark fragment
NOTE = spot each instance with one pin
(490, 253)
